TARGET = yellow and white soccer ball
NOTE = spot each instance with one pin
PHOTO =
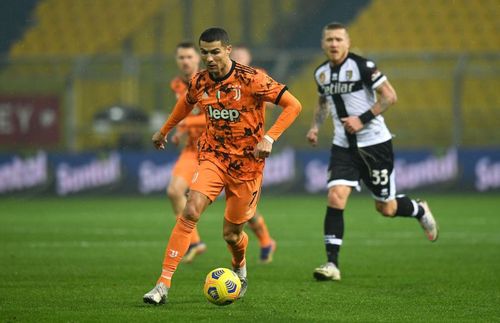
(222, 286)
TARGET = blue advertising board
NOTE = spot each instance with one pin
(287, 171)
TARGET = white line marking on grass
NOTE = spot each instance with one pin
(93, 244)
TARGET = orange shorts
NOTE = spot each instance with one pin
(186, 165)
(241, 196)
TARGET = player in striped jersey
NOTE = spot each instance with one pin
(348, 86)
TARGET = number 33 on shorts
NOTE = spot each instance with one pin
(380, 176)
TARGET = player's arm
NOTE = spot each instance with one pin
(196, 121)
(386, 97)
(181, 110)
(319, 116)
(291, 109)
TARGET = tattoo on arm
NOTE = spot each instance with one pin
(321, 112)
(387, 97)
(384, 104)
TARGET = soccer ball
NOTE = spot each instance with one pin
(222, 286)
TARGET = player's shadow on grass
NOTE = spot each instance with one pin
(140, 304)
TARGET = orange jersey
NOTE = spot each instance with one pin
(194, 124)
(234, 110)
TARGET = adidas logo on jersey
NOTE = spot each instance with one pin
(224, 114)
(338, 88)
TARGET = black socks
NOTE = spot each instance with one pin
(334, 232)
(408, 207)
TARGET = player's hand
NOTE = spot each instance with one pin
(159, 140)
(312, 136)
(263, 149)
(352, 124)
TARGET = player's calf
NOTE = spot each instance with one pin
(387, 209)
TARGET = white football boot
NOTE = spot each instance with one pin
(428, 223)
(327, 271)
(156, 296)
(242, 275)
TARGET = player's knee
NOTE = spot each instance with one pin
(174, 193)
(336, 199)
(231, 237)
(254, 219)
(386, 209)
(191, 212)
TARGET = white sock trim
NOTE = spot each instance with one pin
(331, 239)
(415, 208)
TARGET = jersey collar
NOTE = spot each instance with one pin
(225, 77)
(341, 63)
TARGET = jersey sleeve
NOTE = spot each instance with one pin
(192, 90)
(181, 110)
(321, 91)
(266, 88)
(370, 75)
(178, 87)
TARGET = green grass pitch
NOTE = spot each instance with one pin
(92, 259)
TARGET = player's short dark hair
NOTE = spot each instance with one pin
(185, 44)
(335, 25)
(214, 34)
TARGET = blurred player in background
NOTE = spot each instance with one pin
(232, 150)
(242, 55)
(188, 132)
(362, 144)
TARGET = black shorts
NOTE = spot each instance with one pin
(373, 164)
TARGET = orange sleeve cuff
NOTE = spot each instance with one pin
(181, 110)
(291, 109)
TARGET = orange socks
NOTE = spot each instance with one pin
(238, 251)
(259, 227)
(176, 248)
(195, 236)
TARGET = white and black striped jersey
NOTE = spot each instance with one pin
(349, 89)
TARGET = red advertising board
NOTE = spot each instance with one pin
(29, 121)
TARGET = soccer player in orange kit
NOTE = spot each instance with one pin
(189, 131)
(232, 150)
(241, 54)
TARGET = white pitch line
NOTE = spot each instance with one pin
(93, 244)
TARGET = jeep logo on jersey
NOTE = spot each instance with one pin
(224, 114)
(338, 88)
